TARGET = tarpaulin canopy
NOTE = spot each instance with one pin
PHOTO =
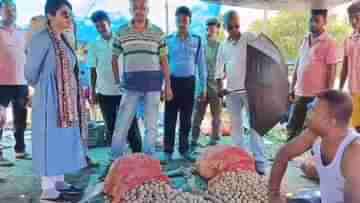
(118, 11)
(279, 4)
(159, 12)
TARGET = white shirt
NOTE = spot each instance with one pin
(332, 182)
(233, 56)
(100, 57)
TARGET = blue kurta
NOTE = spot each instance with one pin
(55, 151)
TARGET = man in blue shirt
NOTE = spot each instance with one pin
(186, 59)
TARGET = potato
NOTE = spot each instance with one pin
(240, 186)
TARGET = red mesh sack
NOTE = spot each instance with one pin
(222, 158)
(130, 172)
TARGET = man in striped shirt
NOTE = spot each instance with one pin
(145, 66)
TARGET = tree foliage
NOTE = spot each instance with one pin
(287, 30)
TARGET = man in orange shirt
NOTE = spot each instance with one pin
(315, 69)
(351, 63)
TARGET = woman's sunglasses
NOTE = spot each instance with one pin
(66, 14)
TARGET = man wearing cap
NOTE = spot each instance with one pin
(351, 63)
(315, 69)
(211, 51)
(186, 59)
(13, 86)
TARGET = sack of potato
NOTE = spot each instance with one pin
(130, 172)
(239, 187)
(221, 158)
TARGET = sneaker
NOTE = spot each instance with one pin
(23, 155)
(61, 198)
(51, 195)
(260, 168)
(5, 162)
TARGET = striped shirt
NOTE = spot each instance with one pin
(141, 52)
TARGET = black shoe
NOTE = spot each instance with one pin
(167, 158)
(23, 155)
(193, 147)
(188, 157)
(71, 190)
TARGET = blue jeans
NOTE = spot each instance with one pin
(126, 114)
(237, 103)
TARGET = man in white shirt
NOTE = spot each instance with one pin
(336, 151)
(103, 84)
(232, 56)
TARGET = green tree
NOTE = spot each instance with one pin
(287, 30)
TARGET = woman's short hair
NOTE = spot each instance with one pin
(52, 6)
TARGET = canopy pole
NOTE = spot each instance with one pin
(167, 16)
(266, 19)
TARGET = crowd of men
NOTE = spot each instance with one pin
(138, 63)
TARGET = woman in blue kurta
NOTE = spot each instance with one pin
(57, 121)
